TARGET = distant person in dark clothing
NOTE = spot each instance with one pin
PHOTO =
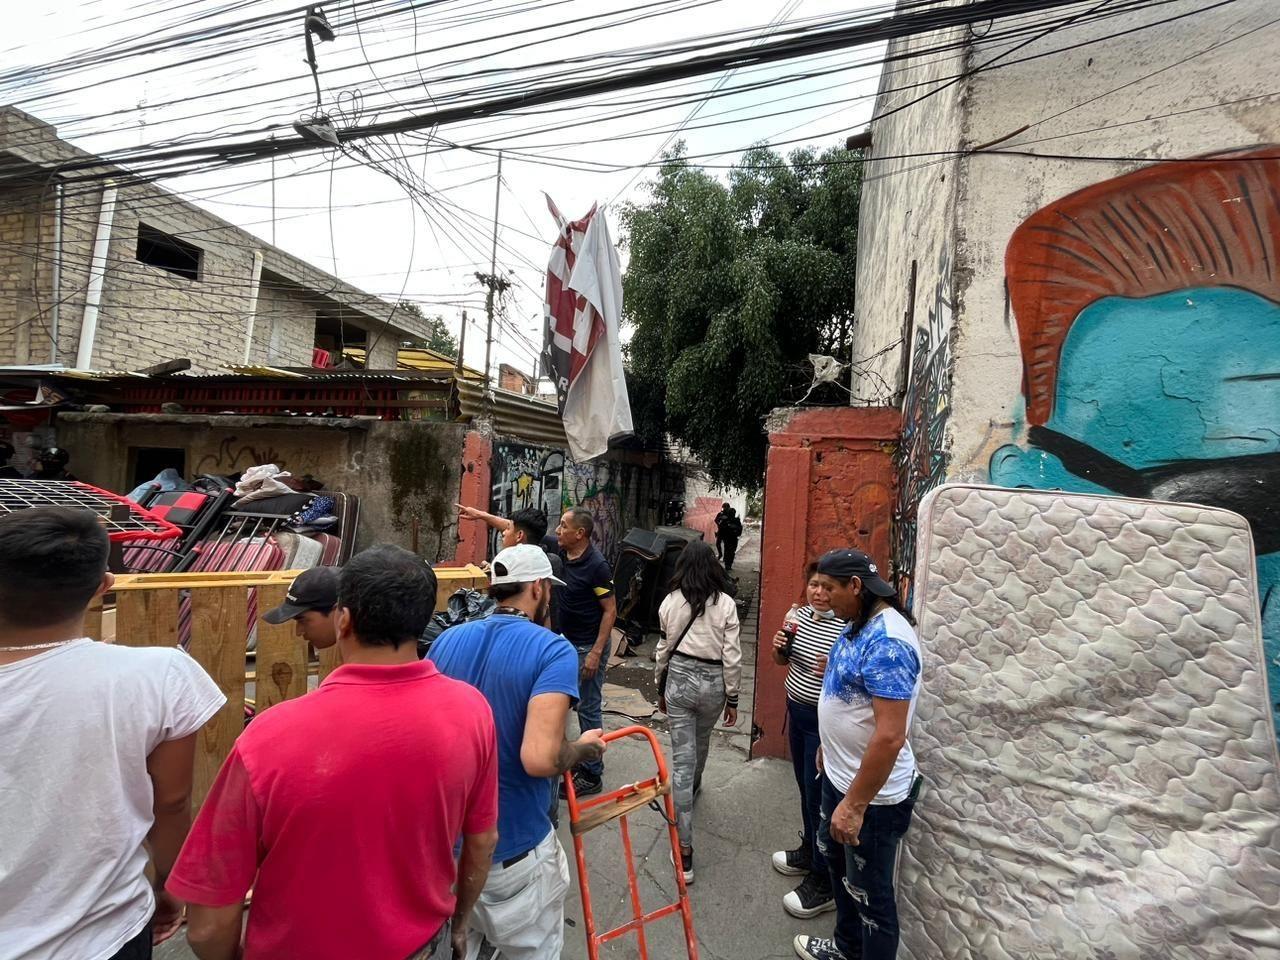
(52, 465)
(725, 513)
(525, 526)
(730, 532)
(588, 610)
(7, 472)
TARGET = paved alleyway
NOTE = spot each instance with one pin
(746, 811)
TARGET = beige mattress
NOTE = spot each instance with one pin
(1094, 731)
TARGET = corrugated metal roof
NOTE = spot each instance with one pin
(420, 359)
(513, 414)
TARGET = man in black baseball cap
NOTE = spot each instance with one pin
(309, 604)
(847, 562)
(869, 777)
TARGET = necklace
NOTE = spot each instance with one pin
(40, 646)
(511, 612)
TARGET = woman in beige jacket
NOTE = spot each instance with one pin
(702, 653)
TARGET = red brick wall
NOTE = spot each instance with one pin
(829, 482)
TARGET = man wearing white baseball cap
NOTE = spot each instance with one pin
(529, 675)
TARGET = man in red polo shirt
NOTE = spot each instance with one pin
(342, 808)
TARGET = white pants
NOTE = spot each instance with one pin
(521, 909)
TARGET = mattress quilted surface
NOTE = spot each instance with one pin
(1094, 731)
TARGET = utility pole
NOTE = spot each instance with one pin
(273, 194)
(493, 274)
(462, 344)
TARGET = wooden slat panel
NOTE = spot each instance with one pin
(147, 619)
(281, 672)
(330, 660)
(217, 644)
(93, 620)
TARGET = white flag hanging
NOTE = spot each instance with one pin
(583, 349)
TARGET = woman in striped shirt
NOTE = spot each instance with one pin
(818, 628)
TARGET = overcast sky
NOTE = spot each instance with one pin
(343, 216)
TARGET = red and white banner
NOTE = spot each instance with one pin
(582, 350)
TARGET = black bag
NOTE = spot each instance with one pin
(464, 606)
(662, 677)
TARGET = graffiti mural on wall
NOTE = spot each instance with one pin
(1148, 314)
(523, 477)
(592, 485)
(921, 459)
(526, 476)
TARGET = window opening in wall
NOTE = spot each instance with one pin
(334, 335)
(148, 462)
(158, 249)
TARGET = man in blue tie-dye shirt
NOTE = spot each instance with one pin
(869, 780)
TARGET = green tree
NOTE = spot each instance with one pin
(438, 337)
(729, 287)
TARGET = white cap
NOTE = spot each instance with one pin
(523, 563)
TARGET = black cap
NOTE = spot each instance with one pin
(314, 589)
(845, 563)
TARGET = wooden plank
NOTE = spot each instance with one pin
(330, 660)
(280, 672)
(217, 644)
(147, 619)
(93, 620)
(600, 815)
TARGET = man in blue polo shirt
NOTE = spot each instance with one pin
(529, 675)
(586, 617)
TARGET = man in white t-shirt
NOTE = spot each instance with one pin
(97, 744)
(869, 781)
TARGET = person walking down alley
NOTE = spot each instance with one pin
(588, 611)
(529, 675)
(700, 654)
(730, 533)
(725, 513)
(803, 647)
(98, 744)
(870, 782)
(342, 808)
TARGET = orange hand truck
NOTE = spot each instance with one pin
(585, 817)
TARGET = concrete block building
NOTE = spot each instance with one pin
(103, 272)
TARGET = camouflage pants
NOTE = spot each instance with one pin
(695, 701)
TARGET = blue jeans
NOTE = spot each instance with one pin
(862, 877)
(590, 702)
(802, 732)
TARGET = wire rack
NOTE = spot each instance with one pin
(136, 524)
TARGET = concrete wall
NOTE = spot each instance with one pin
(909, 259)
(1130, 305)
(829, 482)
(399, 470)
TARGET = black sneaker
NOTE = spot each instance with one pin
(793, 863)
(811, 898)
(584, 785)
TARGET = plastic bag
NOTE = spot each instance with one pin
(260, 482)
(464, 606)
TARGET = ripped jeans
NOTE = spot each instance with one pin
(862, 877)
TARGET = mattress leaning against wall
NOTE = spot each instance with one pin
(1095, 734)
